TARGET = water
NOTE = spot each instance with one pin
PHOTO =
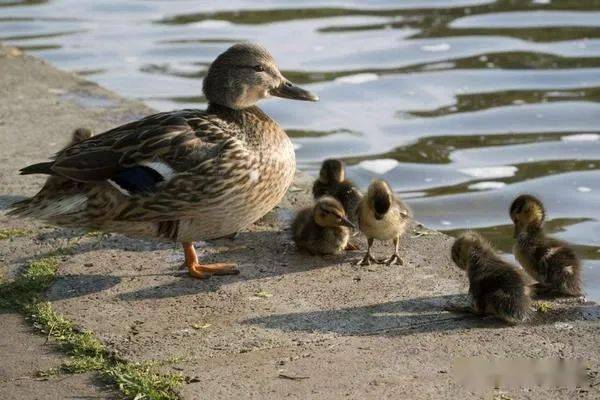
(461, 105)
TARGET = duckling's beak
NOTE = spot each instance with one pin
(288, 90)
(348, 223)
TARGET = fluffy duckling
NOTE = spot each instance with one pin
(381, 216)
(551, 262)
(496, 287)
(332, 181)
(57, 182)
(323, 229)
(79, 135)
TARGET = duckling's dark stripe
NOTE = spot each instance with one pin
(168, 229)
(382, 204)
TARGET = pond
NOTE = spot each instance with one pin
(459, 104)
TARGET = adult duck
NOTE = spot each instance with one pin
(183, 175)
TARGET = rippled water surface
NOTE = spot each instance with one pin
(459, 104)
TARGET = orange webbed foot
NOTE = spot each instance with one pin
(195, 272)
(204, 271)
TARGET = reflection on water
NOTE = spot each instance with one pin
(460, 104)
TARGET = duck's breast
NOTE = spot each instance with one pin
(259, 187)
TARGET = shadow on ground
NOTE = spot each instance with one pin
(260, 254)
(7, 200)
(407, 317)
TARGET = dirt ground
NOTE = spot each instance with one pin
(289, 326)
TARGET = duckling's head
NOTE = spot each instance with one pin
(332, 171)
(80, 134)
(463, 245)
(329, 213)
(246, 73)
(379, 197)
(527, 211)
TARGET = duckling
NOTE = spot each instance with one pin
(183, 175)
(56, 182)
(79, 135)
(322, 229)
(551, 262)
(332, 181)
(496, 287)
(381, 216)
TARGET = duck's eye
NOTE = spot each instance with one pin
(258, 68)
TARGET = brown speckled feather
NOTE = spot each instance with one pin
(180, 138)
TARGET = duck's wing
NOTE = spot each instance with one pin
(178, 138)
(405, 211)
(166, 163)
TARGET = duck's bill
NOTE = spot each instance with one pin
(346, 222)
(288, 90)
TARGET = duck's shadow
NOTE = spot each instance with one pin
(8, 200)
(408, 317)
(395, 318)
(258, 254)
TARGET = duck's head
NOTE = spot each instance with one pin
(526, 211)
(329, 213)
(379, 197)
(332, 171)
(246, 73)
(81, 134)
(463, 245)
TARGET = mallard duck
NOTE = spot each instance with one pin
(322, 229)
(382, 216)
(496, 287)
(332, 181)
(183, 175)
(551, 262)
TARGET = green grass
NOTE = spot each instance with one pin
(97, 235)
(141, 381)
(9, 233)
(543, 307)
(25, 291)
(87, 353)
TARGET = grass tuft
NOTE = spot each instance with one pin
(141, 381)
(10, 233)
(24, 291)
(100, 235)
(134, 380)
(544, 307)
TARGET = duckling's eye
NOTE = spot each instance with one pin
(259, 68)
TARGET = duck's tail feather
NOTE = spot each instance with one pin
(19, 208)
(39, 168)
(56, 208)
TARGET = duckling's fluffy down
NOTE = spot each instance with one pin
(315, 239)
